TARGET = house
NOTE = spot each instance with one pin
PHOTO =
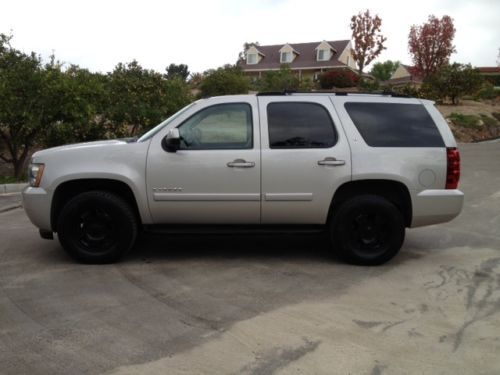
(307, 60)
(404, 75)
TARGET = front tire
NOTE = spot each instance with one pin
(367, 230)
(97, 227)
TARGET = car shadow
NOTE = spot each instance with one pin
(178, 247)
(250, 248)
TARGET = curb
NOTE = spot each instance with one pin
(12, 188)
(10, 207)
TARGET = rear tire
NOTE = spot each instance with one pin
(367, 230)
(97, 227)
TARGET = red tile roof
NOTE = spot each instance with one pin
(489, 69)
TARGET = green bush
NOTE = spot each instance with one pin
(408, 90)
(227, 80)
(486, 92)
(453, 82)
(369, 86)
(279, 80)
(306, 84)
(494, 79)
(466, 121)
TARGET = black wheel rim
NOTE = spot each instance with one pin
(95, 230)
(369, 233)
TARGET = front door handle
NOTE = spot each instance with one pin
(331, 161)
(241, 163)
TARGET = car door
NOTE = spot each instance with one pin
(305, 158)
(215, 177)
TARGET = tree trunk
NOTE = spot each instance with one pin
(19, 166)
(17, 161)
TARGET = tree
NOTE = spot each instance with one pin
(43, 105)
(140, 98)
(195, 80)
(338, 79)
(368, 40)
(180, 71)
(23, 111)
(32, 99)
(82, 97)
(453, 81)
(383, 71)
(48, 104)
(226, 80)
(431, 44)
(279, 80)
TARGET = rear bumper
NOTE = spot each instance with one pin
(36, 202)
(436, 206)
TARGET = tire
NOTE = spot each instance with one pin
(367, 230)
(97, 227)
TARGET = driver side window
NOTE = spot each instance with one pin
(218, 127)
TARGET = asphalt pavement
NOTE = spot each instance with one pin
(261, 304)
(10, 201)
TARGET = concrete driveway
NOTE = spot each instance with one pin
(261, 305)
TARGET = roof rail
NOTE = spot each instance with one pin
(337, 93)
(275, 93)
(378, 92)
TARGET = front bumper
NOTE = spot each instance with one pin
(36, 202)
(436, 206)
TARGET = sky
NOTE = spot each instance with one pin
(207, 34)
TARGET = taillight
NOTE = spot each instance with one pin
(453, 167)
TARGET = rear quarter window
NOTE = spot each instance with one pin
(394, 124)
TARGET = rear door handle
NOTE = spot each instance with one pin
(331, 161)
(241, 163)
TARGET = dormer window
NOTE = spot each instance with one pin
(252, 58)
(286, 57)
(323, 55)
(324, 51)
(253, 55)
(288, 54)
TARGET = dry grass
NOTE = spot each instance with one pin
(471, 107)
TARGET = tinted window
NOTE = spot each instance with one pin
(224, 126)
(394, 125)
(299, 125)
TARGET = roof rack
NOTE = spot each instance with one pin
(337, 93)
(276, 93)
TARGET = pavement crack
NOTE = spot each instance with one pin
(192, 320)
(278, 358)
(480, 302)
(372, 324)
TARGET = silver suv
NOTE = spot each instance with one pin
(362, 167)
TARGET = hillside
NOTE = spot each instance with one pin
(473, 121)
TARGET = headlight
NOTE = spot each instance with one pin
(35, 173)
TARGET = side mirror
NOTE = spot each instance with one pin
(172, 142)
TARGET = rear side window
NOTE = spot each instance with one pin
(300, 125)
(394, 124)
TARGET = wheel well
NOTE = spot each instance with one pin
(394, 191)
(69, 189)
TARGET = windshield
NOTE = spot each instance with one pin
(159, 127)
